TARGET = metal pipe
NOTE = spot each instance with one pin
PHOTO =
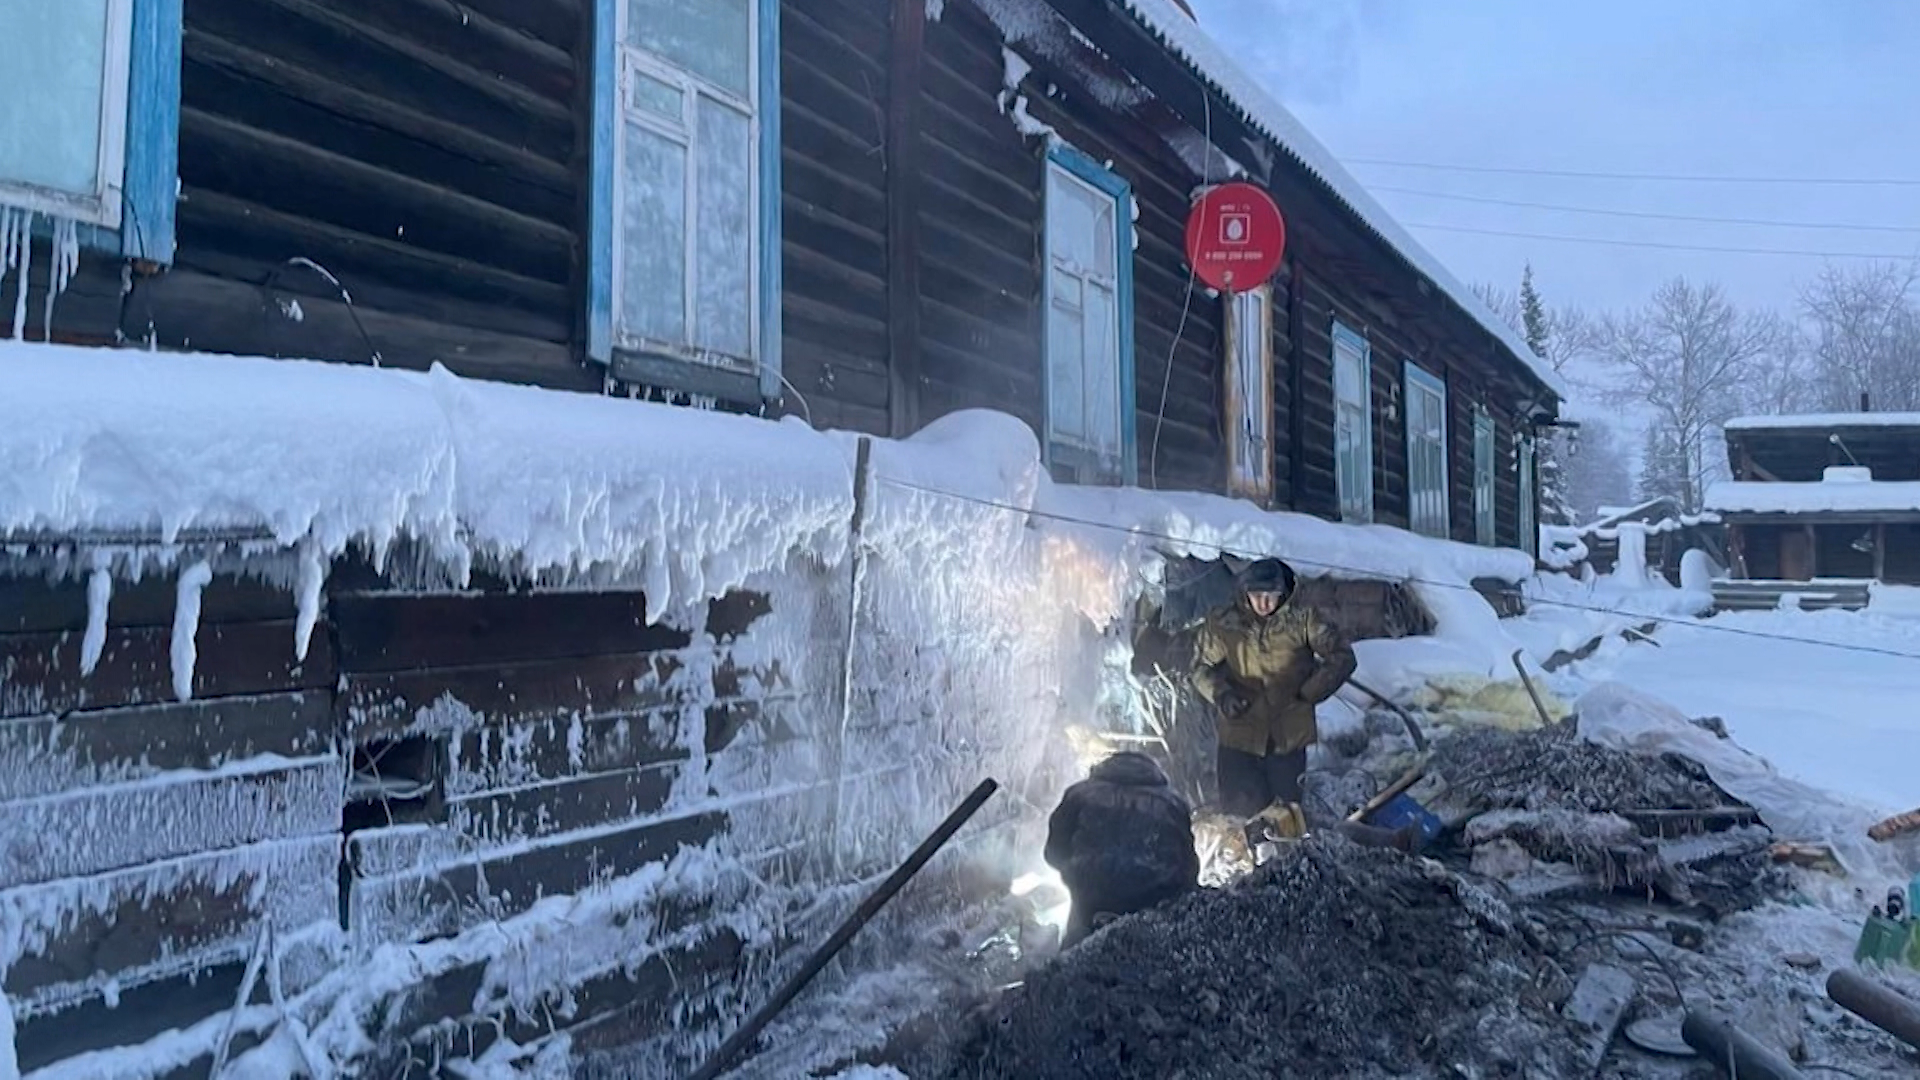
(1733, 1051)
(1413, 729)
(824, 955)
(1884, 1008)
(1539, 706)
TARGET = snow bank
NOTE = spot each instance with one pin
(1838, 421)
(96, 441)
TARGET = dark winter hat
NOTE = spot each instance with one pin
(1267, 575)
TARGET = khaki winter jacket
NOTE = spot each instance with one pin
(1285, 664)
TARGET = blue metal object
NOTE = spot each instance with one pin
(1403, 810)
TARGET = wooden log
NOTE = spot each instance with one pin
(538, 812)
(188, 309)
(442, 901)
(45, 754)
(68, 835)
(368, 113)
(37, 604)
(136, 667)
(153, 922)
(273, 237)
(389, 633)
(1895, 826)
(491, 45)
(224, 155)
(546, 751)
(143, 1013)
(613, 687)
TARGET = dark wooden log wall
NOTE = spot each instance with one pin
(546, 730)
(431, 156)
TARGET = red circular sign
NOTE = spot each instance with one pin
(1235, 238)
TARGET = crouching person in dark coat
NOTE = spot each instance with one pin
(1122, 840)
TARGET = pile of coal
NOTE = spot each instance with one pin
(1331, 961)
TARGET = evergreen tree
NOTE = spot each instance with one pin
(1535, 323)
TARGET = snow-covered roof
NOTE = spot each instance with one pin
(1186, 39)
(1814, 497)
(1825, 420)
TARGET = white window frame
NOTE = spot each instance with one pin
(1486, 441)
(635, 60)
(1427, 488)
(1353, 420)
(1088, 462)
(1249, 399)
(1526, 467)
(105, 204)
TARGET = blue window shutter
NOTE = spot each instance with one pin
(606, 109)
(770, 187)
(152, 181)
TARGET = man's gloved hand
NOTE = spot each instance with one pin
(1234, 703)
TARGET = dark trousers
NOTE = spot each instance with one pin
(1249, 783)
(1090, 903)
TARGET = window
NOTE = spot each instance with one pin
(686, 191)
(92, 137)
(1352, 424)
(1426, 452)
(1529, 530)
(1250, 393)
(1089, 320)
(1484, 442)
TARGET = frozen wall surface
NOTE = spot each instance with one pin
(351, 718)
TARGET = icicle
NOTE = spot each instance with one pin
(99, 594)
(186, 623)
(313, 574)
(63, 258)
(22, 257)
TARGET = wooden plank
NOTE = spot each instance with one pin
(151, 922)
(141, 1013)
(903, 146)
(444, 900)
(546, 810)
(96, 830)
(40, 673)
(44, 755)
(393, 633)
(188, 309)
(493, 46)
(224, 155)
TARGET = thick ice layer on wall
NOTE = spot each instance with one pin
(95, 440)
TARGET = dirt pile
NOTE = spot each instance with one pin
(1331, 961)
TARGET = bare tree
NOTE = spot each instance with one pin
(1865, 335)
(1685, 358)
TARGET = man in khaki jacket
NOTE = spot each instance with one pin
(1265, 664)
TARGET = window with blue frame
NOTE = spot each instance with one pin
(1352, 424)
(1089, 343)
(1426, 452)
(91, 136)
(686, 239)
(1484, 444)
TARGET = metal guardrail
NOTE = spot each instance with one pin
(1819, 595)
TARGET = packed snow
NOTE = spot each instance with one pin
(1832, 495)
(1838, 421)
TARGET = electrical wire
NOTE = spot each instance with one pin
(1662, 245)
(1647, 215)
(1827, 181)
(1186, 309)
(1187, 541)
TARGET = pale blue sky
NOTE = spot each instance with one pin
(1752, 88)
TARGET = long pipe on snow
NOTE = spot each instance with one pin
(824, 955)
(1888, 1010)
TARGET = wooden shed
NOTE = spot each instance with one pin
(1823, 498)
